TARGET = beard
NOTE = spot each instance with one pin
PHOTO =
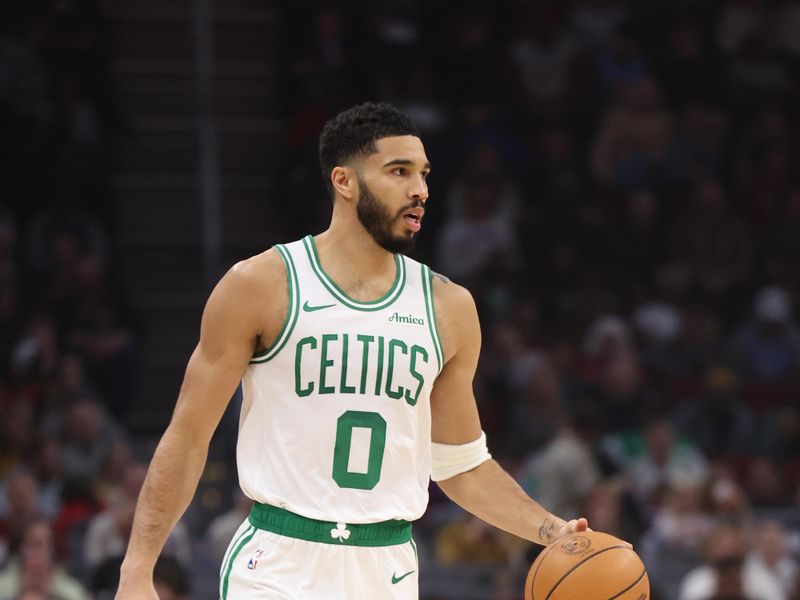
(376, 219)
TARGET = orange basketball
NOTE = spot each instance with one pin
(587, 566)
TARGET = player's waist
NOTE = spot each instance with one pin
(283, 522)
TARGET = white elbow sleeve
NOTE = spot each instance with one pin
(449, 460)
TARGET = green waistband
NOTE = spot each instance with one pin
(283, 522)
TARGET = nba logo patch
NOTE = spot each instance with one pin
(253, 562)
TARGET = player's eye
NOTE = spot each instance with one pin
(399, 171)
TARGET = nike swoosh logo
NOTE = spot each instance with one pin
(309, 308)
(396, 579)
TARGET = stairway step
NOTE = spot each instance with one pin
(245, 69)
(150, 269)
(156, 186)
(236, 40)
(174, 11)
(174, 97)
(171, 329)
(165, 95)
(168, 39)
(158, 151)
(167, 300)
(237, 125)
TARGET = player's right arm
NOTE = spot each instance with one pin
(238, 318)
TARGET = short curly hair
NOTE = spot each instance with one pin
(353, 133)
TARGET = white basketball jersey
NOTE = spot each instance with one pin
(335, 422)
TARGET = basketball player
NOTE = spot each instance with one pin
(356, 366)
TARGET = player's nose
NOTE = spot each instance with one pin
(418, 190)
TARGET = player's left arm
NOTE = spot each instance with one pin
(487, 490)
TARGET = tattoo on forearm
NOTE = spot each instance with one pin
(547, 530)
(440, 277)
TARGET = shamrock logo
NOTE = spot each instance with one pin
(341, 532)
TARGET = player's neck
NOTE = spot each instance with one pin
(352, 250)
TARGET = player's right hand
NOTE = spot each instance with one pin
(131, 589)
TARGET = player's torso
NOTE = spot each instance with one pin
(335, 421)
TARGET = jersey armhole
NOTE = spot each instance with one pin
(430, 309)
(291, 314)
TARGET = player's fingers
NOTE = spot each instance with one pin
(575, 525)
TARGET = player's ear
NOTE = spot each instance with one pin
(344, 182)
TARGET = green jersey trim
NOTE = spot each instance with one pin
(291, 316)
(251, 531)
(289, 524)
(430, 309)
(340, 295)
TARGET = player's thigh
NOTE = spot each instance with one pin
(267, 566)
(384, 572)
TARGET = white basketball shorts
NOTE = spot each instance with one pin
(278, 555)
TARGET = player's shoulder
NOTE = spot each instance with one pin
(254, 269)
(456, 316)
(449, 296)
(257, 277)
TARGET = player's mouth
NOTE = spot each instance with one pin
(413, 218)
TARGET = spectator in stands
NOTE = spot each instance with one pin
(565, 470)
(711, 244)
(470, 541)
(717, 421)
(596, 21)
(671, 547)
(665, 459)
(49, 471)
(623, 395)
(780, 437)
(114, 475)
(727, 500)
(101, 330)
(768, 347)
(18, 428)
(482, 240)
(659, 327)
(621, 60)
(69, 384)
(20, 508)
(555, 178)
(699, 345)
(35, 570)
(633, 137)
(543, 58)
(610, 512)
(634, 245)
(766, 484)
(107, 533)
(723, 575)
(606, 337)
(88, 435)
(219, 532)
(537, 409)
(700, 141)
(171, 579)
(769, 556)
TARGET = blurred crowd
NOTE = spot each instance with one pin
(68, 476)
(611, 179)
(614, 182)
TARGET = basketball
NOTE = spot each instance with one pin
(589, 565)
